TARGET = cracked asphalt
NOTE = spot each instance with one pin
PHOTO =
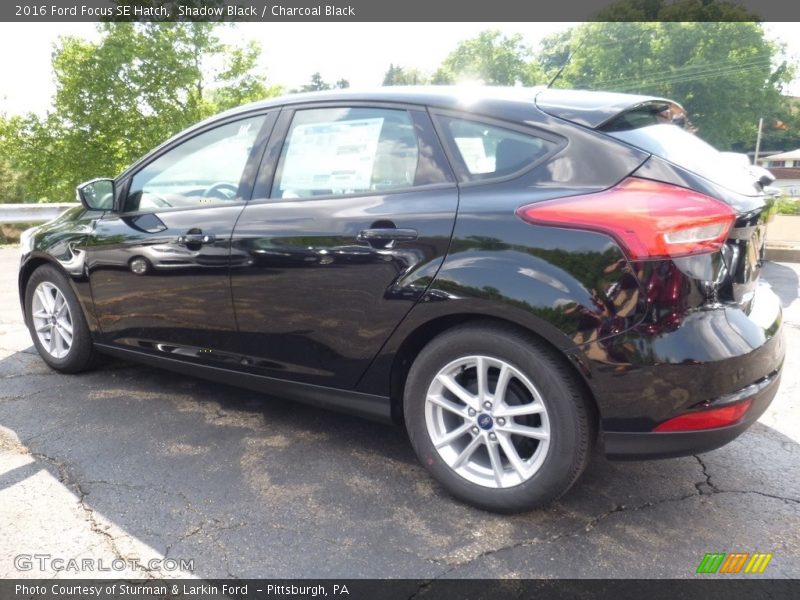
(135, 463)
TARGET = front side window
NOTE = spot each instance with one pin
(204, 170)
(488, 151)
(340, 151)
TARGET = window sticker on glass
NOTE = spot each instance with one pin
(488, 151)
(474, 154)
(335, 157)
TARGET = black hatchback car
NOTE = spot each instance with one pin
(513, 274)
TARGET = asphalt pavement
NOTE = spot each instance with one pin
(133, 464)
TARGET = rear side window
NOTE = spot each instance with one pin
(486, 151)
(341, 151)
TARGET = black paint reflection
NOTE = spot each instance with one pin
(313, 300)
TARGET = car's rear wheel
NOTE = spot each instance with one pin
(497, 418)
(56, 322)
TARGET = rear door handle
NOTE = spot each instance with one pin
(196, 238)
(387, 233)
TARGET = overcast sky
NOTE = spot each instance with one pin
(358, 52)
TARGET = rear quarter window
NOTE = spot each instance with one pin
(485, 151)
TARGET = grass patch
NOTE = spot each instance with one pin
(788, 206)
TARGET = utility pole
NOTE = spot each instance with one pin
(758, 140)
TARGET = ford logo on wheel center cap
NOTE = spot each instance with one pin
(485, 421)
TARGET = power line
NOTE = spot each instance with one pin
(722, 72)
(684, 73)
(678, 73)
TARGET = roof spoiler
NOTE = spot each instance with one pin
(610, 111)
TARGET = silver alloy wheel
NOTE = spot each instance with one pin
(52, 319)
(487, 421)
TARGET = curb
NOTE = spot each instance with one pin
(788, 252)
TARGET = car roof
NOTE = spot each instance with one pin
(588, 108)
(444, 96)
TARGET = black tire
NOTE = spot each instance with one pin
(81, 354)
(572, 428)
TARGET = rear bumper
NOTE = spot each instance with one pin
(651, 445)
(716, 355)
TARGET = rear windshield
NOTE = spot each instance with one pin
(686, 150)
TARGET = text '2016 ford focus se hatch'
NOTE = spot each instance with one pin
(513, 274)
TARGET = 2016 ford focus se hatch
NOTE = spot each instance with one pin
(515, 275)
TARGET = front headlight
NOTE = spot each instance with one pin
(26, 240)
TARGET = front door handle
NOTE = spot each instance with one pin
(196, 239)
(386, 233)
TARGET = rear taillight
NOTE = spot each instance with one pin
(707, 419)
(649, 219)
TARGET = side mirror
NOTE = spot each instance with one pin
(97, 194)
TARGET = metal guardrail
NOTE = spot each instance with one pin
(32, 213)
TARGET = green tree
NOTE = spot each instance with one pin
(31, 150)
(11, 188)
(491, 58)
(397, 75)
(239, 82)
(554, 53)
(726, 74)
(318, 84)
(781, 129)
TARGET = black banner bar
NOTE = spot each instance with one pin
(401, 589)
(394, 11)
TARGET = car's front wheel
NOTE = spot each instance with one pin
(497, 418)
(56, 322)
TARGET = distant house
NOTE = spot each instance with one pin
(786, 168)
